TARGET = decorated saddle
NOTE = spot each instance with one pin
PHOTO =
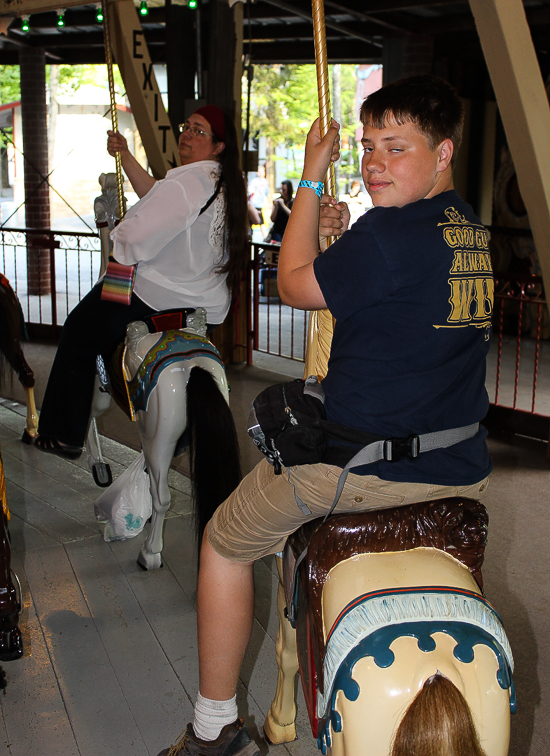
(368, 624)
(175, 345)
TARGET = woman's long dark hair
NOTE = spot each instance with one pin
(290, 189)
(236, 206)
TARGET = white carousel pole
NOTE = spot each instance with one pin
(321, 322)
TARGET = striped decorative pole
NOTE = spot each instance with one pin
(321, 322)
(114, 114)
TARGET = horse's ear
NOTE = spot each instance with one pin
(438, 722)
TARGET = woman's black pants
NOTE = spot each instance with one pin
(93, 327)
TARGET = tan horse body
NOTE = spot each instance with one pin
(378, 619)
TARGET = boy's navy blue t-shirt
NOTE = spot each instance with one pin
(411, 289)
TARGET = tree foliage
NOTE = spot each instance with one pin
(10, 91)
(283, 105)
(70, 79)
(284, 102)
(73, 77)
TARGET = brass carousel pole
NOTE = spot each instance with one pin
(114, 114)
(321, 322)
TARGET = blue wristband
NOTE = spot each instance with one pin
(317, 186)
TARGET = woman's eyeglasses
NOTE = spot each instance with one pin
(185, 127)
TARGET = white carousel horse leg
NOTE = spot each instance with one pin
(160, 428)
(100, 470)
(279, 726)
(31, 430)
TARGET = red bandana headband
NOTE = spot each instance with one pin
(215, 117)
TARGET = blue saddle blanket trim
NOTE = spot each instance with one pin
(174, 346)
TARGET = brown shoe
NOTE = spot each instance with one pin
(233, 740)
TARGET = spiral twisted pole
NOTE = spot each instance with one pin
(321, 322)
(114, 113)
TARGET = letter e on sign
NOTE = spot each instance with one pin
(137, 43)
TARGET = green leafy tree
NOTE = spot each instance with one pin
(72, 78)
(10, 90)
(284, 104)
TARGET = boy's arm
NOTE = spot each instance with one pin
(296, 280)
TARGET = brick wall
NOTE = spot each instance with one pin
(35, 148)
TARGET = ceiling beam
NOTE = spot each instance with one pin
(348, 31)
(286, 53)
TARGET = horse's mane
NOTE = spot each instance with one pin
(438, 722)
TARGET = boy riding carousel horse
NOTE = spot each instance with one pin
(410, 286)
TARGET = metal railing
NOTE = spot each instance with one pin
(519, 362)
(518, 366)
(74, 263)
(277, 329)
(518, 369)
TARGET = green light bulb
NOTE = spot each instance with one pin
(143, 9)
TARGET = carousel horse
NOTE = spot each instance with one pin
(171, 379)
(174, 382)
(11, 327)
(394, 641)
(11, 645)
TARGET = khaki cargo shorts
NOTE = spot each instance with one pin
(266, 508)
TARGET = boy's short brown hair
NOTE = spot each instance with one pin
(429, 102)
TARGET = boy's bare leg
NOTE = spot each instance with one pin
(225, 608)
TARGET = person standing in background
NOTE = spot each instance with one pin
(259, 192)
(281, 211)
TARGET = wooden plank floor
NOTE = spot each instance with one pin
(110, 662)
(110, 652)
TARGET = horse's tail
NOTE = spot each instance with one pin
(213, 447)
(438, 722)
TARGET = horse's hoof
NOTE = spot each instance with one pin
(275, 733)
(149, 561)
(26, 438)
(11, 645)
(103, 476)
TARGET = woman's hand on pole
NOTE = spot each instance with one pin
(139, 178)
(116, 143)
(320, 153)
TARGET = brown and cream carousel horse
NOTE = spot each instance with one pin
(11, 645)
(11, 323)
(11, 332)
(398, 651)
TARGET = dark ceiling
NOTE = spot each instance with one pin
(280, 31)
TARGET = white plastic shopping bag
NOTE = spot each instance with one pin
(126, 505)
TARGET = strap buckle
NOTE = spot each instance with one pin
(399, 448)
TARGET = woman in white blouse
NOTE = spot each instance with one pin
(188, 236)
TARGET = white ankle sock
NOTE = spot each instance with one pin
(212, 716)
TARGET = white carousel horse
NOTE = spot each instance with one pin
(396, 645)
(177, 385)
(178, 388)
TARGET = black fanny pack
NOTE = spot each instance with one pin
(288, 424)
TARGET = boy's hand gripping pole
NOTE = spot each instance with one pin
(321, 322)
